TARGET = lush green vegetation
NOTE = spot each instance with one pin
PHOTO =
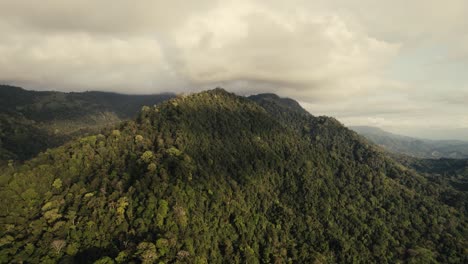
(451, 171)
(217, 178)
(31, 122)
(450, 174)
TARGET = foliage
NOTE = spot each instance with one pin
(236, 180)
(31, 122)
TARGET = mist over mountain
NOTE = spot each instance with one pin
(415, 147)
(217, 178)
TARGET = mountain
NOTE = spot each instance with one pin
(276, 102)
(31, 121)
(420, 148)
(446, 171)
(218, 178)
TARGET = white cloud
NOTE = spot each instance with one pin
(81, 61)
(153, 44)
(300, 52)
(338, 57)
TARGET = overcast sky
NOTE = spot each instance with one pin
(400, 65)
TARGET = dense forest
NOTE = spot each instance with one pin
(218, 178)
(449, 171)
(31, 121)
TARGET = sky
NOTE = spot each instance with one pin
(399, 65)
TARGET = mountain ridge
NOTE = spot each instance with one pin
(214, 177)
(415, 147)
(52, 118)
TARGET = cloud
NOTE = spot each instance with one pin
(103, 16)
(80, 61)
(298, 52)
(398, 63)
(103, 45)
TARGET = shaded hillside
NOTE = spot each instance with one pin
(451, 171)
(32, 121)
(285, 104)
(218, 178)
(419, 148)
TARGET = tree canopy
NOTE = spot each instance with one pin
(217, 178)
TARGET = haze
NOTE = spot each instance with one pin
(399, 65)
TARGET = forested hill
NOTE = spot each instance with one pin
(51, 105)
(284, 104)
(217, 178)
(32, 121)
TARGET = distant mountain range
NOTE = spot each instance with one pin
(32, 121)
(415, 147)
